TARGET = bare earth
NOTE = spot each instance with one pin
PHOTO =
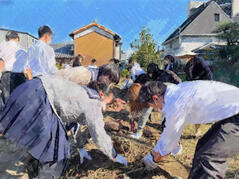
(133, 150)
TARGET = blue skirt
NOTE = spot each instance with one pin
(28, 120)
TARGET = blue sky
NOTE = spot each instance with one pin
(125, 17)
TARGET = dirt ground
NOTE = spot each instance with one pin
(134, 150)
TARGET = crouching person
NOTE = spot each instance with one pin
(196, 102)
(36, 112)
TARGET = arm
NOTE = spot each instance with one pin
(28, 73)
(2, 64)
(94, 119)
(176, 112)
(175, 77)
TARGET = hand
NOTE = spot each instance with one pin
(121, 160)
(149, 162)
(29, 73)
(83, 154)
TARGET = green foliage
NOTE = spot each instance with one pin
(59, 67)
(228, 31)
(146, 49)
(125, 73)
(226, 59)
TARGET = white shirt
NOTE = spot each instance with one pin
(41, 59)
(127, 83)
(8, 50)
(92, 66)
(136, 71)
(195, 102)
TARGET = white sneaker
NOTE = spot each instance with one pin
(137, 135)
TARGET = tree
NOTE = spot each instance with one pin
(145, 49)
(229, 32)
(226, 59)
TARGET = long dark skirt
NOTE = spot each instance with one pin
(28, 120)
(9, 81)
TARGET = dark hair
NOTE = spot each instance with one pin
(44, 30)
(93, 60)
(170, 57)
(97, 86)
(110, 70)
(114, 60)
(130, 60)
(76, 61)
(152, 68)
(11, 35)
(149, 89)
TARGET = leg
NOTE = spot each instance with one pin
(214, 148)
(53, 171)
(144, 118)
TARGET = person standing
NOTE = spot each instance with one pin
(196, 102)
(169, 63)
(93, 64)
(77, 61)
(12, 66)
(41, 56)
(135, 70)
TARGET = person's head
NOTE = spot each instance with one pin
(131, 61)
(152, 70)
(152, 93)
(114, 61)
(45, 34)
(93, 61)
(169, 59)
(108, 74)
(77, 61)
(105, 91)
(12, 36)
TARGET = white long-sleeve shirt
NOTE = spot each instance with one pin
(41, 59)
(195, 102)
(8, 52)
(71, 103)
(136, 71)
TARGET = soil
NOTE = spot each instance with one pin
(134, 150)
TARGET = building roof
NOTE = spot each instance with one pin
(196, 13)
(19, 32)
(187, 22)
(64, 50)
(116, 36)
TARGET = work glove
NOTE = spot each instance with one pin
(177, 150)
(149, 162)
(83, 154)
(121, 160)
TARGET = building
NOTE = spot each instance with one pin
(64, 52)
(196, 33)
(94, 41)
(26, 39)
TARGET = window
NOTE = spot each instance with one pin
(171, 45)
(217, 17)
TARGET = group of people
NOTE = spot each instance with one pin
(41, 104)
